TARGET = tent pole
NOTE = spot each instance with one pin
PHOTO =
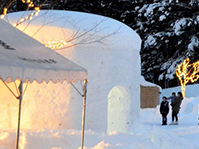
(19, 113)
(83, 112)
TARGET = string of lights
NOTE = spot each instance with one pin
(30, 5)
(51, 44)
(187, 73)
(56, 44)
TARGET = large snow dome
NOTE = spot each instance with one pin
(108, 49)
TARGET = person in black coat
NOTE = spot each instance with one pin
(164, 110)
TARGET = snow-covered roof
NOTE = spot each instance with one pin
(143, 82)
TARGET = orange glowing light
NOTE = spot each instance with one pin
(30, 5)
(187, 73)
(5, 11)
(2, 16)
(29, 17)
(56, 44)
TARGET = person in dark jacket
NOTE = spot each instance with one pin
(176, 108)
(172, 97)
(164, 110)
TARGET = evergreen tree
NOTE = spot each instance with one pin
(169, 33)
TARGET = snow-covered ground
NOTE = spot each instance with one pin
(146, 134)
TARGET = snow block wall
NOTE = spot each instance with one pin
(113, 66)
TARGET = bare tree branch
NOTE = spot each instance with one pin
(78, 36)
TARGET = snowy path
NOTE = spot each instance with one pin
(188, 128)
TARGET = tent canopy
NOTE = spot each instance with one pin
(24, 58)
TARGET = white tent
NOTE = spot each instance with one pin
(26, 59)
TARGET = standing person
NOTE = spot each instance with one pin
(164, 110)
(176, 108)
(172, 97)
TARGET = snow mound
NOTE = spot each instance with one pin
(110, 62)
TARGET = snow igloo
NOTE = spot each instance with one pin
(108, 49)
